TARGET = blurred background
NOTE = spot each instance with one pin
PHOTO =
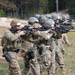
(26, 8)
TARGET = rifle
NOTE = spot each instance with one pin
(29, 29)
(60, 30)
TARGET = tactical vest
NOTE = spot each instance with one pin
(8, 44)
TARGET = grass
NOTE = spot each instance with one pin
(69, 59)
(3, 67)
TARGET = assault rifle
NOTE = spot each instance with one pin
(60, 30)
(29, 29)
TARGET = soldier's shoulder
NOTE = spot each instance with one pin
(8, 29)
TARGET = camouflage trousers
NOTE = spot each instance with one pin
(52, 49)
(62, 48)
(14, 68)
(58, 53)
(32, 64)
(47, 59)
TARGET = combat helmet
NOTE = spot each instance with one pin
(56, 16)
(42, 19)
(66, 16)
(15, 23)
(37, 16)
(32, 20)
(50, 23)
(48, 16)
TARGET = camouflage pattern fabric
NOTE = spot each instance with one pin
(10, 42)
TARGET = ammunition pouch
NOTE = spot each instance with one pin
(7, 56)
(40, 49)
(30, 54)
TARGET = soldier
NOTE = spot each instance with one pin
(58, 40)
(11, 44)
(48, 52)
(29, 50)
(66, 22)
(66, 19)
(42, 19)
(45, 54)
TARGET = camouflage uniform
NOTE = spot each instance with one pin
(52, 48)
(47, 57)
(11, 43)
(29, 63)
(58, 53)
(59, 56)
(65, 39)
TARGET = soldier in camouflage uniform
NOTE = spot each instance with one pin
(11, 44)
(65, 21)
(47, 57)
(29, 50)
(58, 40)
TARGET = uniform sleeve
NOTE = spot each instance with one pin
(9, 35)
(42, 34)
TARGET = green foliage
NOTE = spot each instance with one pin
(72, 12)
(51, 5)
(2, 13)
(27, 8)
(3, 67)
